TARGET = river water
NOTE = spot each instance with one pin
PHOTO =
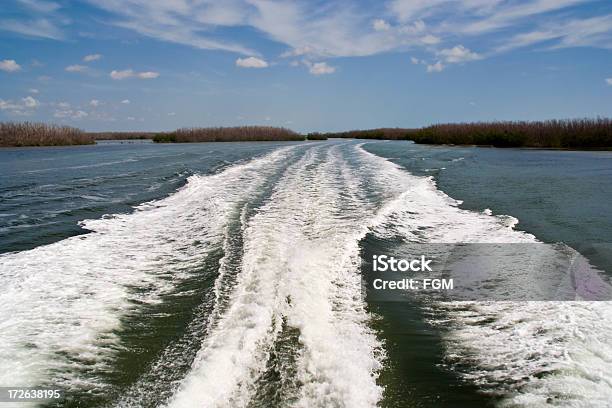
(230, 274)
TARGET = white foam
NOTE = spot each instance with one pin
(61, 303)
(511, 345)
(300, 264)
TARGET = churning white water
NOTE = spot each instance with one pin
(62, 305)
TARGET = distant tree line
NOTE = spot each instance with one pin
(316, 136)
(571, 133)
(380, 133)
(121, 135)
(41, 134)
(228, 134)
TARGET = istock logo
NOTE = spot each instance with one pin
(383, 263)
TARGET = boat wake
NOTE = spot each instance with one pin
(288, 324)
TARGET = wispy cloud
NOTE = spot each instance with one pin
(320, 68)
(92, 57)
(338, 28)
(609, 81)
(251, 62)
(437, 67)
(341, 29)
(75, 68)
(70, 114)
(41, 28)
(187, 23)
(41, 6)
(587, 32)
(129, 73)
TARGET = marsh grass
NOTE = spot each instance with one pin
(41, 134)
(563, 134)
(570, 133)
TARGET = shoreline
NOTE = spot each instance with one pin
(569, 149)
(150, 141)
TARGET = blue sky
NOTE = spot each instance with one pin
(306, 64)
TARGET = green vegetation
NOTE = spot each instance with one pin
(316, 136)
(381, 133)
(165, 137)
(121, 135)
(228, 134)
(41, 134)
(570, 134)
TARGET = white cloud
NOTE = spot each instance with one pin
(70, 114)
(25, 107)
(437, 67)
(251, 62)
(418, 27)
(181, 22)
(343, 29)
(609, 81)
(76, 68)
(458, 54)
(430, 39)
(129, 73)
(94, 103)
(147, 75)
(588, 32)
(30, 102)
(63, 105)
(8, 105)
(299, 51)
(4, 105)
(41, 6)
(9, 65)
(406, 10)
(41, 28)
(417, 61)
(171, 113)
(321, 68)
(506, 14)
(92, 57)
(380, 25)
(125, 101)
(33, 90)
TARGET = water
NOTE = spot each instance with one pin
(229, 275)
